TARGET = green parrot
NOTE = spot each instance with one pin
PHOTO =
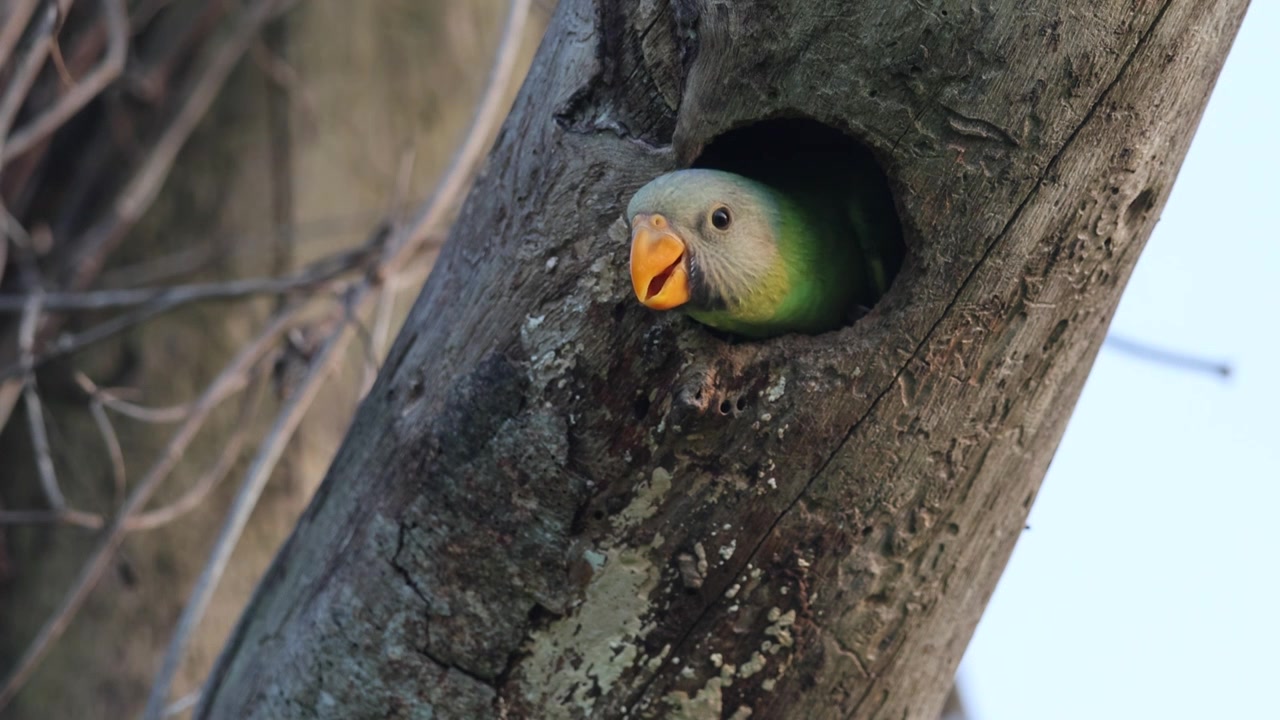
(761, 257)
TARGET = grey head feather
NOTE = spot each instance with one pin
(725, 265)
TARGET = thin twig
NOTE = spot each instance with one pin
(176, 296)
(489, 115)
(25, 74)
(35, 411)
(59, 62)
(185, 702)
(88, 251)
(143, 187)
(14, 230)
(112, 442)
(151, 519)
(144, 12)
(242, 506)
(159, 415)
(81, 93)
(1171, 358)
(366, 346)
(226, 383)
(40, 447)
(200, 490)
(379, 333)
(381, 330)
(164, 268)
(167, 300)
(98, 411)
(12, 25)
(66, 516)
(403, 245)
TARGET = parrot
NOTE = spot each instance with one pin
(759, 257)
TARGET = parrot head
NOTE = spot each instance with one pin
(704, 239)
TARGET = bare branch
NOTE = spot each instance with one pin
(40, 446)
(82, 92)
(35, 412)
(67, 516)
(200, 490)
(25, 74)
(173, 297)
(167, 414)
(186, 702)
(1170, 358)
(164, 268)
(226, 383)
(109, 438)
(489, 114)
(145, 184)
(150, 520)
(164, 300)
(12, 25)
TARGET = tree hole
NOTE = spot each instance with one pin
(641, 406)
(1139, 207)
(841, 185)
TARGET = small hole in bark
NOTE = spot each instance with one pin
(641, 406)
(1140, 206)
(806, 158)
(742, 403)
(541, 617)
(726, 407)
(128, 577)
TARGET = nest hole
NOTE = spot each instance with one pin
(813, 157)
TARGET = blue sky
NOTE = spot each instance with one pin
(1149, 583)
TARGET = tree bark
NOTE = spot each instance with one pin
(556, 504)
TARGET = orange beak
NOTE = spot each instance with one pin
(659, 273)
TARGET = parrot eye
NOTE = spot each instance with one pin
(720, 218)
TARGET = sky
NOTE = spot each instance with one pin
(1148, 584)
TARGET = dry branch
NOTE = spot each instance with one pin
(231, 380)
(88, 87)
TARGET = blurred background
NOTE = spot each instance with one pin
(1146, 583)
(231, 142)
(223, 142)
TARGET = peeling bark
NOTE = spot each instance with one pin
(557, 504)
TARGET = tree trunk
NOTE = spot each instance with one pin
(557, 504)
